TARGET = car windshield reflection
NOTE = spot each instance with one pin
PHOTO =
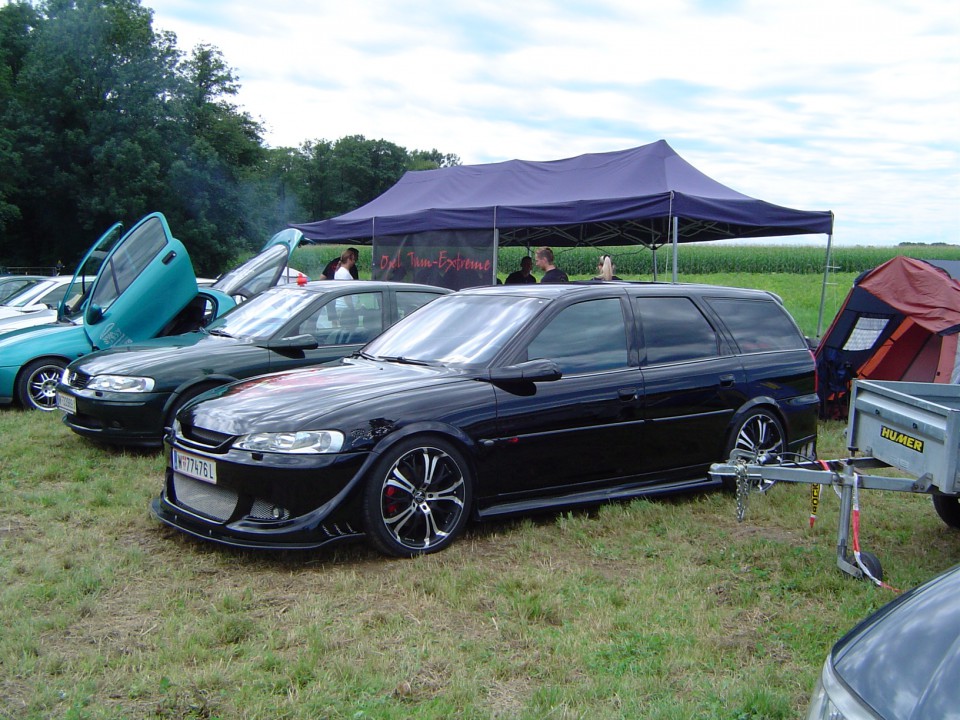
(261, 317)
(456, 330)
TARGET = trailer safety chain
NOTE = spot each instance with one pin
(743, 490)
(855, 515)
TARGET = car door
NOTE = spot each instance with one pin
(692, 384)
(144, 281)
(578, 432)
(75, 298)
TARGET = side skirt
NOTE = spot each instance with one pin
(594, 497)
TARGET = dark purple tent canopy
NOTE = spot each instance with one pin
(616, 198)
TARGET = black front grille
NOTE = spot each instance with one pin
(79, 380)
(203, 437)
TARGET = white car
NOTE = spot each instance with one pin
(35, 305)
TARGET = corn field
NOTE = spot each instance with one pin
(712, 258)
(636, 262)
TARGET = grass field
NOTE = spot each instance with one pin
(666, 609)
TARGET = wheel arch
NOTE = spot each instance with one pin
(761, 402)
(447, 432)
(194, 386)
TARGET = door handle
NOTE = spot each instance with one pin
(627, 394)
(727, 380)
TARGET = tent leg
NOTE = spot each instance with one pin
(823, 288)
(676, 225)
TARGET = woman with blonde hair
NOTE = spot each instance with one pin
(605, 269)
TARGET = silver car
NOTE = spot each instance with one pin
(901, 663)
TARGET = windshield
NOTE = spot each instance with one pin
(457, 329)
(262, 316)
(34, 293)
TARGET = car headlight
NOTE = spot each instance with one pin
(832, 701)
(120, 383)
(303, 442)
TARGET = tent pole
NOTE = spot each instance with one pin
(496, 252)
(823, 288)
(676, 223)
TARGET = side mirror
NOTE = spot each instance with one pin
(94, 314)
(530, 371)
(297, 342)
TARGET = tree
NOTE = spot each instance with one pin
(104, 119)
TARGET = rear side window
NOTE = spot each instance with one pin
(758, 325)
(674, 330)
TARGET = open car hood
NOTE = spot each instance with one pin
(263, 270)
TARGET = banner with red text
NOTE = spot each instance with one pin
(453, 259)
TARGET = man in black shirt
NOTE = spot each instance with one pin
(521, 276)
(551, 273)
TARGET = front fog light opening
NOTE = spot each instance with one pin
(271, 512)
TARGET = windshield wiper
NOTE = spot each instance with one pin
(221, 333)
(402, 360)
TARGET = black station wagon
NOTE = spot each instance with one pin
(494, 401)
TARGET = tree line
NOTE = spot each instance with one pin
(104, 118)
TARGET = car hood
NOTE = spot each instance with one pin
(149, 356)
(22, 320)
(904, 660)
(8, 311)
(300, 399)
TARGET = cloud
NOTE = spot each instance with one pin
(815, 105)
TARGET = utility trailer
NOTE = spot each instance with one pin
(911, 427)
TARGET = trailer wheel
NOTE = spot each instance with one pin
(948, 508)
(872, 563)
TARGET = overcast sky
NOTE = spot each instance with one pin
(844, 105)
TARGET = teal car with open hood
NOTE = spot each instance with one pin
(143, 286)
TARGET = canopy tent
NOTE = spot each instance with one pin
(615, 198)
(900, 321)
(647, 195)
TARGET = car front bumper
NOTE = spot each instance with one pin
(265, 501)
(117, 418)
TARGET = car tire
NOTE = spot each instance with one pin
(757, 431)
(418, 497)
(37, 384)
(948, 508)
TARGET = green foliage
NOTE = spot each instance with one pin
(104, 119)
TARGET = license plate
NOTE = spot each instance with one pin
(196, 467)
(67, 403)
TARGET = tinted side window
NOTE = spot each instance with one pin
(346, 320)
(585, 337)
(758, 325)
(674, 329)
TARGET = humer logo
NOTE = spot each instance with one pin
(901, 438)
